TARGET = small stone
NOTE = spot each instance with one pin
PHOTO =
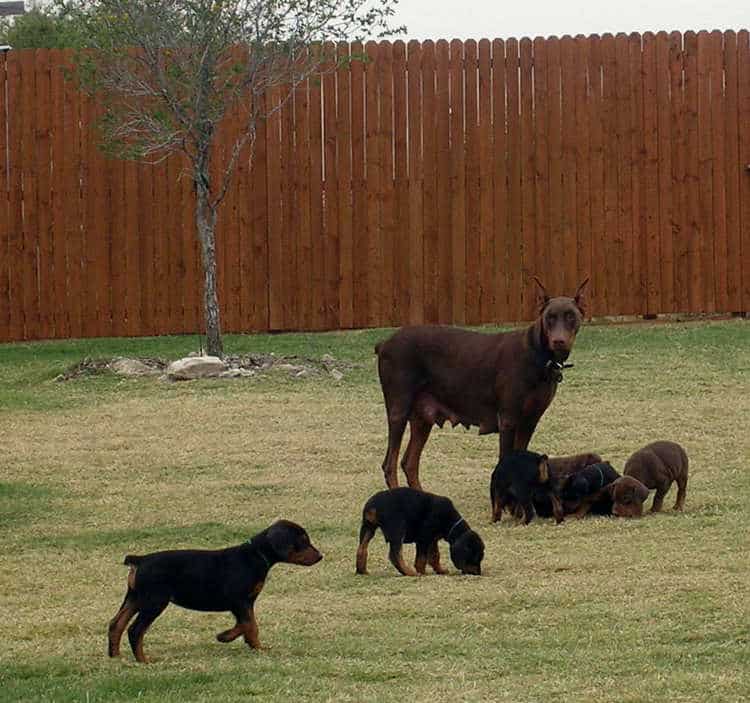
(236, 373)
(292, 368)
(337, 375)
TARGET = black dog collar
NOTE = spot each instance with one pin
(601, 476)
(455, 525)
(553, 369)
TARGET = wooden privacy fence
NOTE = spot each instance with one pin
(424, 185)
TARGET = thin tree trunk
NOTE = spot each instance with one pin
(206, 222)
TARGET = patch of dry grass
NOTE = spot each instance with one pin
(600, 609)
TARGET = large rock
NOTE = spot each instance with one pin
(195, 367)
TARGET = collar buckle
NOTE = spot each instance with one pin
(554, 370)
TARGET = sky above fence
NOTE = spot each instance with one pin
(435, 19)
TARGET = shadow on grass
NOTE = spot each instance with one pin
(22, 502)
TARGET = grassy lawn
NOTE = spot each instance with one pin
(595, 610)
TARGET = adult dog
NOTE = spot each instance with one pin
(500, 382)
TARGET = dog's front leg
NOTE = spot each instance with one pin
(246, 626)
(251, 630)
(557, 508)
(524, 430)
(507, 427)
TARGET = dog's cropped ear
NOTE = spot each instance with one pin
(542, 297)
(543, 470)
(579, 297)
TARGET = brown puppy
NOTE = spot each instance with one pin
(626, 495)
(561, 466)
(499, 382)
(657, 465)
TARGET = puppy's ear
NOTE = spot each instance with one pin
(579, 298)
(542, 298)
(280, 538)
(543, 470)
(640, 493)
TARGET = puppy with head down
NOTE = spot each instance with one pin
(624, 497)
(657, 466)
(587, 482)
(562, 470)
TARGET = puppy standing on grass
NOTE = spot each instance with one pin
(657, 465)
(408, 515)
(209, 580)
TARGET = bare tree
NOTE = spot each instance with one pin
(168, 71)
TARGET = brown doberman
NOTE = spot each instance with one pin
(500, 382)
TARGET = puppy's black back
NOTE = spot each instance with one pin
(590, 480)
(194, 578)
(517, 471)
(411, 513)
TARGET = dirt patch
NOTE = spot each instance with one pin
(238, 366)
(93, 367)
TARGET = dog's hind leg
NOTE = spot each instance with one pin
(396, 429)
(366, 533)
(120, 621)
(148, 613)
(419, 433)
(398, 386)
(681, 493)
(497, 508)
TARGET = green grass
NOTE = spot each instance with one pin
(593, 610)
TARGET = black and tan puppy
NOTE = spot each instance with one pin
(406, 515)
(517, 479)
(573, 479)
(656, 466)
(210, 580)
(624, 497)
(586, 482)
